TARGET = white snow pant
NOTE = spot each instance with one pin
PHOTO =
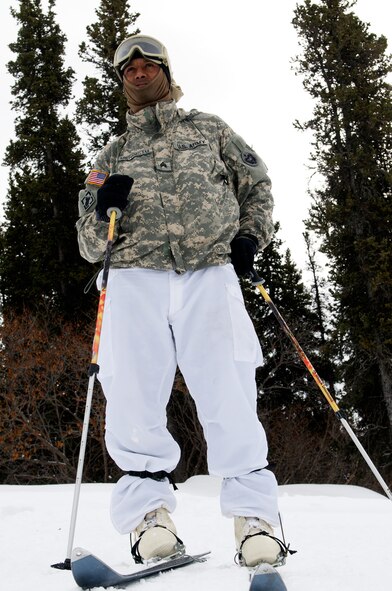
(154, 321)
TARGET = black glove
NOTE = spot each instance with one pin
(243, 250)
(113, 193)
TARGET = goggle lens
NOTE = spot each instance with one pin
(146, 47)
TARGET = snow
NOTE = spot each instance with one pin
(342, 535)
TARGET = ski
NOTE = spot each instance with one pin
(89, 571)
(266, 578)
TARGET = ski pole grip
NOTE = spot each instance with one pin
(116, 209)
(255, 277)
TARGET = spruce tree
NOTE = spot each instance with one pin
(42, 274)
(40, 263)
(103, 106)
(344, 68)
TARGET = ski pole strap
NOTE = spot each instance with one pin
(159, 476)
(91, 282)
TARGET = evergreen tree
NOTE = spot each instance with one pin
(345, 68)
(40, 263)
(103, 105)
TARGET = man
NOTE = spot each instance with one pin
(200, 201)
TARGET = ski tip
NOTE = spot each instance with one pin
(89, 571)
(78, 553)
(266, 578)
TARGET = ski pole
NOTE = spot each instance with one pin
(258, 282)
(93, 371)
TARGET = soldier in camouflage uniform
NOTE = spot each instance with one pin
(199, 209)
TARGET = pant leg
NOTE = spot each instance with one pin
(137, 366)
(251, 495)
(218, 352)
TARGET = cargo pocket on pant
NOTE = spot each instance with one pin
(245, 342)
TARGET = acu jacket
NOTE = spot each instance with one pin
(196, 185)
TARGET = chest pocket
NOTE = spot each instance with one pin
(136, 164)
(197, 157)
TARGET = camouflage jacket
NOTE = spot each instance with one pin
(196, 185)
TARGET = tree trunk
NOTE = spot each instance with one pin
(386, 384)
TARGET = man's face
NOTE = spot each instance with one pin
(141, 72)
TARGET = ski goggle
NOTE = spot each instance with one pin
(149, 47)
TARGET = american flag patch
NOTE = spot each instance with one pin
(96, 177)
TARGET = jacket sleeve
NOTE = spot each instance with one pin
(92, 233)
(252, 186)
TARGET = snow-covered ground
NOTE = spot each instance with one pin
(343, 535)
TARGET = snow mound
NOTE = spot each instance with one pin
(339, 533)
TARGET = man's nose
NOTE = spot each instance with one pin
(140, 73)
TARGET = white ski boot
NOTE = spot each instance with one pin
(156, 538)
(256, 542)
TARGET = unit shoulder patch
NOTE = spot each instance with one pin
(87, 200)
(249, 158)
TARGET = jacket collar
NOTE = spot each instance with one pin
(154, 118)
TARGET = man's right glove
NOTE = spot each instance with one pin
(243, 250)
(113, 193)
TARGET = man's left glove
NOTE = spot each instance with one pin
(243, 250)
(114, 193)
